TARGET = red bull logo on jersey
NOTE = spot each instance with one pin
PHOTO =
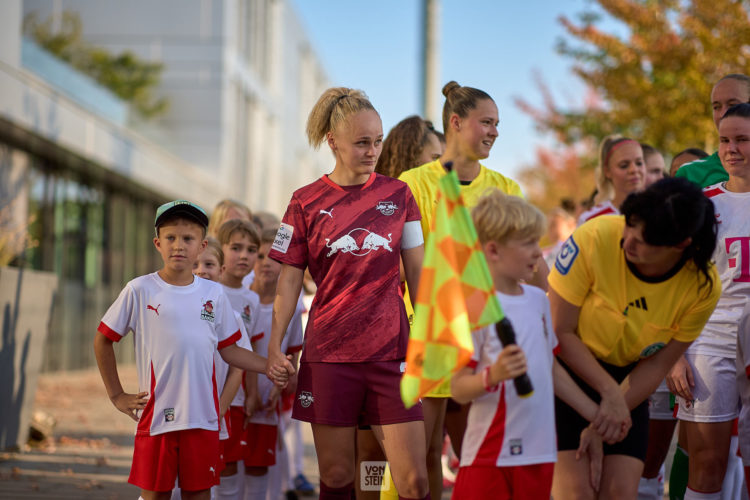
(386, 207)
(348, 243)
(208, 311)
(516, 447)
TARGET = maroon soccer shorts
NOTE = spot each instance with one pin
(348, 394)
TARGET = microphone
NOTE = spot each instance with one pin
(507, 336)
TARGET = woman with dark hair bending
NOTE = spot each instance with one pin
(628, 295)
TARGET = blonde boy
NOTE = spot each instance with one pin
(179, 321)
(509, 448)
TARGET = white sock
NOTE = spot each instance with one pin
(648, 489)
(274, 481)
(694, 495)
(734, 479)
(230, 487)
(255, 487)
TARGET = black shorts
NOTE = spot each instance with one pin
(570, 424)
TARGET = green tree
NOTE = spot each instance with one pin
(654, 80)
(126, 75)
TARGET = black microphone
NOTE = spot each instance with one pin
(507, 336)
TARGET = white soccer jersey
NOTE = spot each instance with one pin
(505, 430)
(291, 344)
(245, 302)
(222, 369)
(177, 329)
(732, 258)
(604, 208)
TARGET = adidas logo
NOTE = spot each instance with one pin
(638, 304)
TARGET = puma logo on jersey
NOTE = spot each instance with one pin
(638, 304)
(152, 308)
(327, 212)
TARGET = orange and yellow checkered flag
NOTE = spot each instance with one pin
(455, 296)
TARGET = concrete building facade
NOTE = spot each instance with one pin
(81, 173)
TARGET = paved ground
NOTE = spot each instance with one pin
(91, 449)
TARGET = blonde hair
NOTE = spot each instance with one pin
(238, 226)
(220, 212)
(501, 217)
(605, 189)
(332, 109)
(213, 246)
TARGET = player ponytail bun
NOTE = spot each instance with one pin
(332, 109)
(450, 87)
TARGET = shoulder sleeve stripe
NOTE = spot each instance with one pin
(604, 211)
(556, 350)
(710, 193)
(472, 364)
(257, 337)
(232, 339)
(109, 333)
(294, 348)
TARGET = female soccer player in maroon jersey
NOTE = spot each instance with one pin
(350, 228)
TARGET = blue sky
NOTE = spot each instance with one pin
(494, 45)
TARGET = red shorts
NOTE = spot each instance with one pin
(522, 482)
(261, 445)
(348, 394)
(234, 447)
(193, 454)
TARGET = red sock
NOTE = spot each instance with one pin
(342, 493)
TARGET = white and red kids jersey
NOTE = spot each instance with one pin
(349, 237)
(732, 259)
(291, 344)
(503, 429)
(222, 369)
(177, 330)
(604, 208)
(245, 302)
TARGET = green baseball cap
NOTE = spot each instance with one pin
(182, 208)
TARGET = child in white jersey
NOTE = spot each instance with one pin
(263, 429)
(179, 321)
(510, 447)
(239, 240)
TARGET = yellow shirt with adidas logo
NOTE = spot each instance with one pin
(625, 317)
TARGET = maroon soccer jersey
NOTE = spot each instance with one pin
(350, 239)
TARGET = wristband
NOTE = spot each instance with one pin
(486, 380)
